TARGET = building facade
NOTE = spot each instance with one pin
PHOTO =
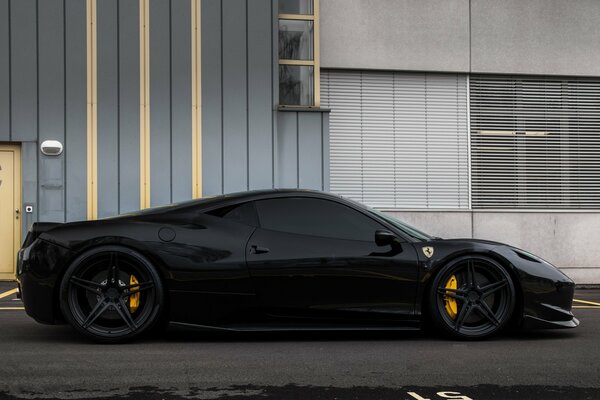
(470, 118)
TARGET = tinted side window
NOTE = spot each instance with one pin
(242, 213)
(315, 217)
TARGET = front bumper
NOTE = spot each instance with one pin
(530, 322)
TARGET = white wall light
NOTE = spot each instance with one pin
(51, 147)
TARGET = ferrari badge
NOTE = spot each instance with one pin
(428, 251)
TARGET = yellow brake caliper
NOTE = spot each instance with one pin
(449, 302)
(134, 299)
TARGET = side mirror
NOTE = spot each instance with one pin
(384, 237)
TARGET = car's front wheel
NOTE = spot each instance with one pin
(472, 298)
(111, 294)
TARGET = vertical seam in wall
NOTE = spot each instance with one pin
(118, 107)
(317, 52)
(37, 97)
(144, 104)
(171, 97)
(64, 10)
(273, 150)
(10, 135)
(196, 52)
(222, 110)
(470, 47)
(91, 87)
(297, 149)
(247, 110)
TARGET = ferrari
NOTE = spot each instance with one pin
(279, 260)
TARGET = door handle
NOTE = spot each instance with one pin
(254, 249)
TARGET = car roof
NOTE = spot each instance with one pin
(211, 202)
(239, 197)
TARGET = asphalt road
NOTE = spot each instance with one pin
(53, 362)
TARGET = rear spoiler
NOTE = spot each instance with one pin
(37, 229)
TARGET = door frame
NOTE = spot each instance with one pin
(17, 222)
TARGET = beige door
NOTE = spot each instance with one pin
(10, 204)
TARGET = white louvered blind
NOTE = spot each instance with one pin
(398, 140)
(535, 142)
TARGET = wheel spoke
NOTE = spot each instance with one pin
(96, 312)
(123, 311)
(487, 312)
(471, 280)
(112, 277)
(85, 284)
(136, 288)
(464, 313)
(455, 296)
(493, 287)
(454, 293)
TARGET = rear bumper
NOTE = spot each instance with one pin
(38, 299)
(38, 268)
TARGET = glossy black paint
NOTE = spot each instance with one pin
(234, 274)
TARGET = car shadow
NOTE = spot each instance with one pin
(64, 334)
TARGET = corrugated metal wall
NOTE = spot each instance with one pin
(237, 96)
(247, 143)
(398, 140)
(43, 95)
(302, 151)
(118, 106)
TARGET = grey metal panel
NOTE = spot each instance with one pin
(430, 35)
(181, 93)
(535, 37)
(51, 111)
(212, 167)
(4, 71)
(75, 145)
(29, 177)
(260, 105)
(51, 206)
(309, 150)
(235, 117)
(287, 149)
(129, 106)
(108, 112)
(160, 103)
(23, 60)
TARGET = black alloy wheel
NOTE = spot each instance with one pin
(111, 294)
(472, 298)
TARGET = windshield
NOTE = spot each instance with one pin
(409, 230)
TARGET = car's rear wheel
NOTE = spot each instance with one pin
(111, 294)
(472, 298)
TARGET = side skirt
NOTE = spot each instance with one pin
(411, 326)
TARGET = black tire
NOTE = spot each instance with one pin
(101, 300)
(484, 298)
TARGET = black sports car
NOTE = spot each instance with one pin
(280, 260)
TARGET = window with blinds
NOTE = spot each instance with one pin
(398, 140)
(535, 142)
